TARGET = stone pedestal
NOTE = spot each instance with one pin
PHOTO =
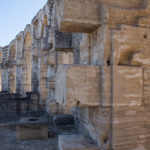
(32, 128)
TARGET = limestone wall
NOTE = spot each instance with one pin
(91, 59)
(119, 115)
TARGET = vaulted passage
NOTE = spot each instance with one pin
(27, 68)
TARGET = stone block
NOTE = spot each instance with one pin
(115, 21)
(32, 128)
(122, 4)
(131, 128)
(75, 142)
(58, 58)
(64, 58)
(78, 85)
(50, 59)
(144, 22)
(85, 16)
(146, 88)
(127, 86)
(78, 16)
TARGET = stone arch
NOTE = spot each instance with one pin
(12, 53)
(19, 47)
(12, 80)
(28, 41)
(1, 56)
(35, 28)
(27, 68)
(12, 69)
(130, 57)
(44, 24)
(43, 68)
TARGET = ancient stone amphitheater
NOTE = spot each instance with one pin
(78, 78)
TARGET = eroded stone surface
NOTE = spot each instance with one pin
(32, 128)
(8, 140)
(78, 85)
(107, 91)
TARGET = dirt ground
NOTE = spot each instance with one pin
(8, 141)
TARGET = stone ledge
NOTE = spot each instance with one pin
(75, 142)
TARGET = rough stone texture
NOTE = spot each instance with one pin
(110, 101)
(62, 41)
(8, 141)
(58, 58)
(132, 91)
(131, 41)
(63, 120)
(32, 128)
(78, 85)
(75, 142)
(70, 18)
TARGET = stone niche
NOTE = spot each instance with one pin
(78, 85)
(78, 16)
(62, 42)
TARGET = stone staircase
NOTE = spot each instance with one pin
(69, 137)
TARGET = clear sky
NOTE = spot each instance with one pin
(14, 15)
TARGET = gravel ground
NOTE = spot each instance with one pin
(8, 141)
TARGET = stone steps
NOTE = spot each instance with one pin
(76, 142)
(69, 137)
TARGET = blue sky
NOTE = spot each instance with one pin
(14, 15)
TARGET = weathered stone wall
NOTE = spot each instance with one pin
(91, 57)
(121, 103)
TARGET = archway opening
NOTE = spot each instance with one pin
(12, 53)
(27, 68)
(45, 23)
(1, 57)
(12, 72)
